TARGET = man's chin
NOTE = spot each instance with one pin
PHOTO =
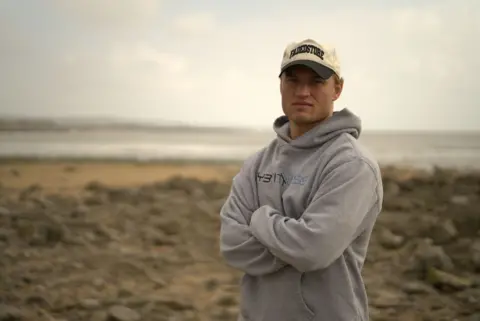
(300, 119)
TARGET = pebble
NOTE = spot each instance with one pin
(390, 240)
(90, 304)
(475, 253)
(415, 288)
(10, 313)
(443, 232)
(386, 298)
(427, 255)
(122, 313)
(459, 200)
(447, 281)
(4, 211)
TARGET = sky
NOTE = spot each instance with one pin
(408, 65)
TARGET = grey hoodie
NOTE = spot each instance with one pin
(298, 222)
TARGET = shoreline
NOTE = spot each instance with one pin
(203, 162)
(71, 175)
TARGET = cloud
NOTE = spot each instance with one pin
(109, 13)
(139, 54)
(410, 67)
(405, 67)
(194, 24)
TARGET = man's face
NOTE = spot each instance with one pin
(306, 98)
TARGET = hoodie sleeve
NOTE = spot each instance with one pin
(328, 225)
(238, 246)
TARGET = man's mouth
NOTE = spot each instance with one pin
(300, 104)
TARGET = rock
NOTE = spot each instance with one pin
(415, 288)
(25, 229)
(459, 200)
(99, 316)
(95, 199)
(390, 240)
(470, 298)
(124, 293)
(174, 304)
(391, 189)
(198, 193)
(37, 299)
(386, 298)
(69, 169)
(4, 234)
(123, 194)
(43, 202)
(158, 238)
(46, 234)
(205, 208)
(400, 204)
(4, 211)
(443, 232)
(122, 313)
(427, 255)
(90, 304)
(447, 281)
(226, 314)
(53, 233)
(170, 227)
(474, 317)
(10, 313)
(95, 186)
(211, 284)
(28, 192)
(98, 282)
(80, 211)
(62, 201)
(227, 300)
(475, 254)
(157, 209)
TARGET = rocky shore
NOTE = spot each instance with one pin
(150, 251)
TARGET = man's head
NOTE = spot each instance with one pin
(310, 82)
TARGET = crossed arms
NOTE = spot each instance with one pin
(259, 239)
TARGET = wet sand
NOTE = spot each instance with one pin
(127, 241)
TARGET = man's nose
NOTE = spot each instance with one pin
(303, 90)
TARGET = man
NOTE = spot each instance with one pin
(301, 210)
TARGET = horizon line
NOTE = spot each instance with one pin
(91, 122)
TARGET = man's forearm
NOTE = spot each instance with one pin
(238, 246)
(246, 253)
(346, 200)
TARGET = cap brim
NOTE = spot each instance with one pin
(321, 70)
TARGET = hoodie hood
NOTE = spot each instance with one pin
(343, 121)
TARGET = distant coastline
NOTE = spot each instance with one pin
(33, 124)
(47, 124)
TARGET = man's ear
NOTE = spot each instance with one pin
(338, 88)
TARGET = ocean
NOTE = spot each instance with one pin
(423, 150)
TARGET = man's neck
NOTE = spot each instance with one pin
(298, 130)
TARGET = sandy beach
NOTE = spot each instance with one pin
(139, 241)
(73, 175)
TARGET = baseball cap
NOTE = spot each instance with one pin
(320, 58)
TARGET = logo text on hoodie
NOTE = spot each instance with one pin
(280, 178)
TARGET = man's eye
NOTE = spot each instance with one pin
(319, 80)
